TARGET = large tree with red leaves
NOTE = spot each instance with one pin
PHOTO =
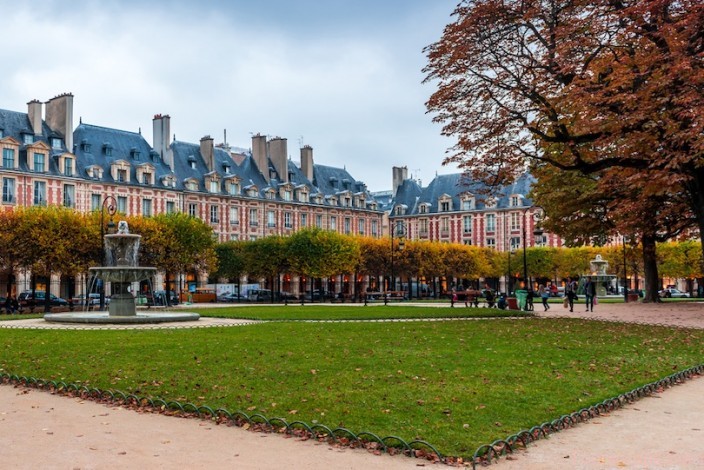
(590, 86)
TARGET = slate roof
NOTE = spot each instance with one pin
(14, 124)
(102, 146)
(455, 185)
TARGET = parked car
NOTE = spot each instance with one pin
(93, 299)
(673, 293)
(230, 297)
(260, 295)
(26, 297)
(160, 295)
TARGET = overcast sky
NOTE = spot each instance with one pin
(341, 76)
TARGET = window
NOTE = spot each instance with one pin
(27, 139)
(347, 202)
(8, 190)
(214, 219)
(69, 195)
(303, 196)
(423, 209)
(8, 158)
(214, 186)
(361, 223)
(468, 204)
(287, 195)
(39, 163)
(170, 207)
(288, 220)
(40, 193)
(55, 143)
(348, 225)
(304, 220)
(444, 206)
(445, 225)
(270, 219)
(515, 243)
(491, 243)
(234, 237)
(95, 202)
(234, 216)
(253, 217)
(375, 226)
(467, 224)
(423, 227)
(515, 221)
(68, 166)
(233, 188)
(514, 201)
(147, 178)
(121, 176)
(192, 165)
(490, 222)
(333, 223)
(193, 209)
(467, 241)
(191, 185)
(122, 204)
(107, 150)
(319, 221)
(146, 207)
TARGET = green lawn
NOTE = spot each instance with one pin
(455, 384)
(349, 312)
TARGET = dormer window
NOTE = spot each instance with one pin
(192, 185)
(423, 209)
(27, 139)
(468, 203)
(147, 178)
(68, 166)
(287, 195)
(226, 168)
(55, 143)
(121, 175)
(214, 186)
(134, 153)
(444, 206)
(233, 188)
(516, 200)
(252, 192)
(302, 195)
(95, 172)
(169, 181)
(85, 146)
(107, 149)
(39, 162)
(270, 194)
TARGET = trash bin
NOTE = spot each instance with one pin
(521, 295)
(512, 303)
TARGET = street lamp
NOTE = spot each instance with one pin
(625, 278)
(397, 229)
(537, 231)
(110, 204)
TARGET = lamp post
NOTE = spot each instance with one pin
(537, 231)
(625, 278)
(396, 229)
(110, 204)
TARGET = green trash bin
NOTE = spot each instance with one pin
(522, 296)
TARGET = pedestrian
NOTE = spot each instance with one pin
(8, 305)
(571, 292)
(589, 294)
(544, 293)
(453, 298)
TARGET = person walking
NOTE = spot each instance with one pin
(571, 292)
(589, 294)
(544, 296)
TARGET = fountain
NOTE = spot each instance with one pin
(121, 255)
(598, 274)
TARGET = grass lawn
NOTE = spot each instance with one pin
(455, 384)
(349, 312)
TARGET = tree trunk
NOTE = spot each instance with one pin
(650, 268)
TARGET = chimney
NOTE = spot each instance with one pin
(162, 138)
(307, 162)
(34, 111)
(259, 154)
(59, 117)
(278, 148)
(400, 174)
(207, 151)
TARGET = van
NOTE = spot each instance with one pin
(201, 295)
(260, 295)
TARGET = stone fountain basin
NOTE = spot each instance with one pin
(123, 273)
(105, 318)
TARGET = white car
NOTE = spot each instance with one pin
(673, 293)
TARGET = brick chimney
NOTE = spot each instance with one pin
(259, 154)
(307, 162)
(207, 150)
(278, 149)
(59, 117)
(162, 138)
(399, 175)
(34, 111)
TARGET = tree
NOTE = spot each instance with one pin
(587, 86)
(10, 255)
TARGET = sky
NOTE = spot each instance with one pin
(343, 76)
